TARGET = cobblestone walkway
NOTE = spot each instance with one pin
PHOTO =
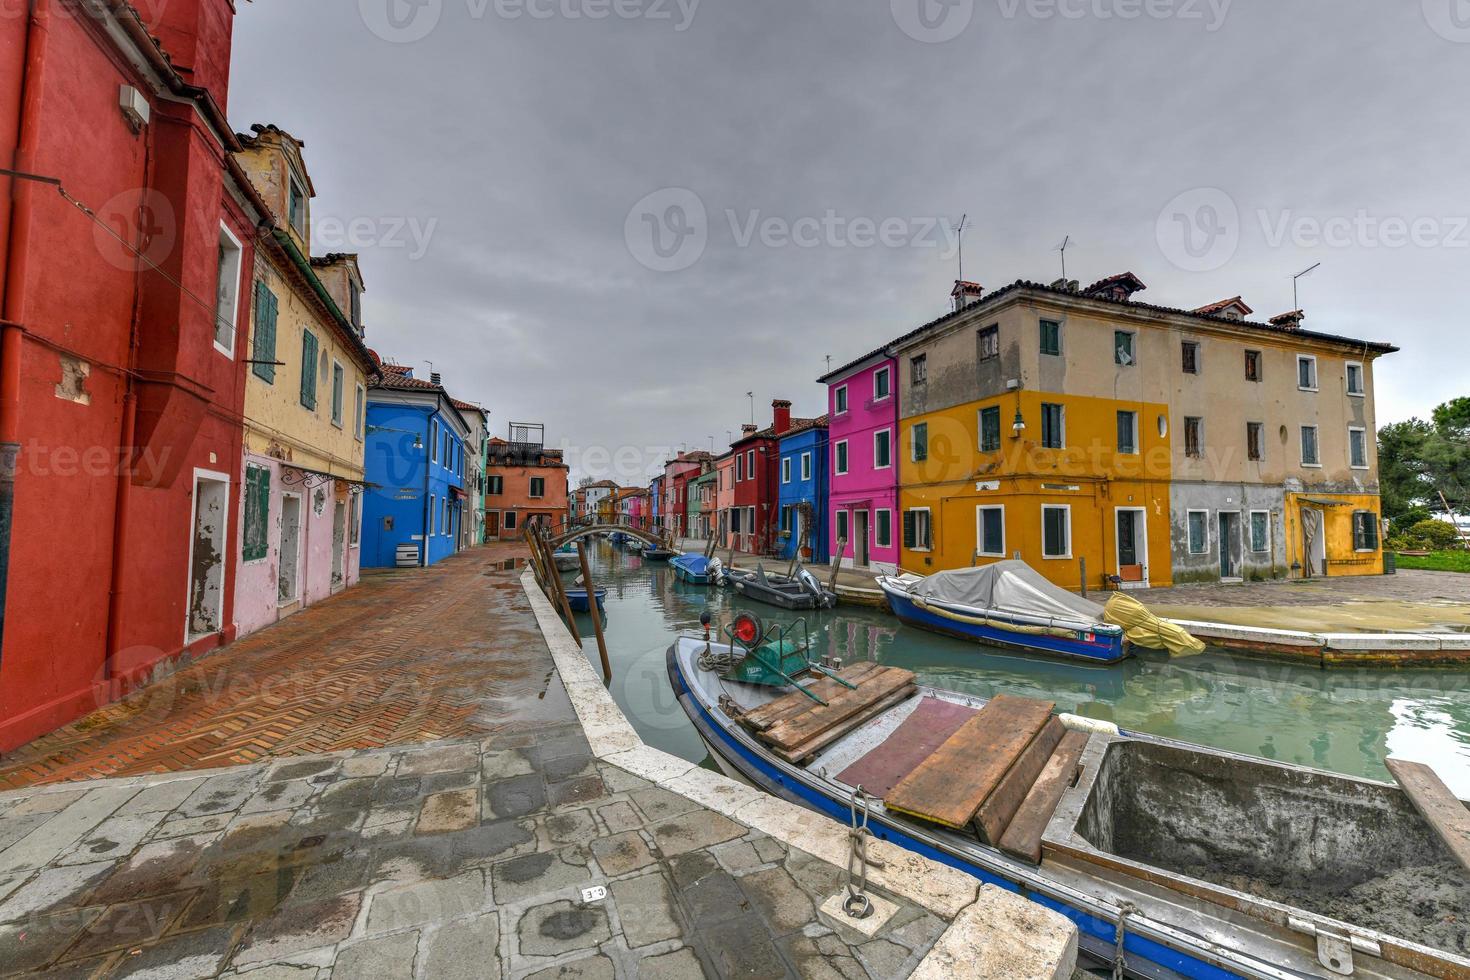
(406, 656)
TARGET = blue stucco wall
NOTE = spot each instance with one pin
(813, 490)
(402, 480)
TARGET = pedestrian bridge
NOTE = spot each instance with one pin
(564, 534)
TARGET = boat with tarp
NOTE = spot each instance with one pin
(694, 568)
(1173, 859)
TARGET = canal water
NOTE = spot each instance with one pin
(1344, 720)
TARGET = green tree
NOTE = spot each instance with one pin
(1403, 475)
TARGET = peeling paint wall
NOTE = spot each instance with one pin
(1236, 498)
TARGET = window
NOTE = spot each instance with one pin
(1354, 378)
(308, 369)
(839, 400)
(1365, 530)
(1123, 347)
(739, 468)
(806, 466)
(883, 529)
(990, 429)
(882, 449)
(354, 303)
(296, 206)
(1056, 531)
(1190, 351)
(839, 457)
(920, 447)
(735, 514)
(495, 485)
(1255, 441)
(433, 513)
(1260, 531)
(263, 357)
(786, 469)
(359, 413)
(989, 342)
(990, 531)
(1199, 532)
(750, 464)
(433, 440)
(1310, 456)
(1128, 432)
(1194, 436)
(227, 292)
(916, 532)
(919, 369)
(448, 525)
(1306, 372)
(841, 525)
(1357, 448)
(354, 519)
(538, 486)
(1253, 365)
(881, 384)
(255, 542)
(339, 393)
(1051, 338)
(509, 523)
(1053, 426)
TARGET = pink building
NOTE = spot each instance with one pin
(863, 404)
(724, 495)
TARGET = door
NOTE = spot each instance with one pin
(1229, 545)
(288, 582)
(1132, 547)
(1314, 544)
(492, 524)
(207, 557)
(339, 545)
(860, 537)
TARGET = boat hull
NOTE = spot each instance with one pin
(577, 599)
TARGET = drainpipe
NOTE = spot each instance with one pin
(17, 254)
(428, 451)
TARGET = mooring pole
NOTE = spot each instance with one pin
(593, 611)
(836, 565)
(561, 599)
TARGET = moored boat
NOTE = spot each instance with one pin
(654, 553)
(577, 599)
(1007, 603)
(566, 558)
(1192, 862)
(692, 568)
(802, 591)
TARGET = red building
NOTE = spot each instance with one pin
(678, 473)
(123, 341)
(757, 462)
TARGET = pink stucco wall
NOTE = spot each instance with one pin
(863, 487)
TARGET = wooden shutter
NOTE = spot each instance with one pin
(908, 529)
(308, 369)
(255, 541)
(265, 334)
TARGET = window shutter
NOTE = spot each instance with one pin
(257, 512)
(908, 528)
(265, 333)
(308, 369)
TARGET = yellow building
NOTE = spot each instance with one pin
(305, 402)
(1111, 442)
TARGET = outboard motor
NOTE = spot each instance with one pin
(716, 571)
(809, 582)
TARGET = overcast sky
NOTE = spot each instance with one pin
(617, 217)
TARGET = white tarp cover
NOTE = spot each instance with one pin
(1007, 587)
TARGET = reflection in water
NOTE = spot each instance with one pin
(1342, 720)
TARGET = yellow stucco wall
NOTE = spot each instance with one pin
(1342, 556)
(1089, 476)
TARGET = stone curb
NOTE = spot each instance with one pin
(1045, 948)
(1349, 648)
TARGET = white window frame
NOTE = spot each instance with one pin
(1316, 379)
(360, 426)
(884, 372)
(1360, 430)
(785, 469)
(234, 307)
(1250, 533)
(889, 434)
(1301, 446)
(1188, 541)
(508, 520)
(433, 515)
(1062, 507)
(980, 531)
(750, 464)
(806, 466)
(433, 440)
(739, 467)
(844, 458)
(842, 525)
(886, 542)
(839, 400)
(1347, 379)
(928, 523)
(531, 485)
(339, 394)
(354, 520)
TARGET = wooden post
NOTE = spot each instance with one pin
(836, 565)
(560, 590)
(593, 611)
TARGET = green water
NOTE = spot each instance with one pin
(1343, 720)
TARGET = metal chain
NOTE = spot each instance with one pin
(857, 904)
(1120, 959)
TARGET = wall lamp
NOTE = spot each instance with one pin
(1018, 426)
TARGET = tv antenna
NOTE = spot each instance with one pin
(829, 363)
(1066, 242)
(751, 396)
(1305, 272)
(960, 238)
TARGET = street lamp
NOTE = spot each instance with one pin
(1019, 425)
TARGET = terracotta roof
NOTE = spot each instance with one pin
(332, 258)
(1225, 304)
(769, 432)
(465, 406)
(399, 381)
(806, 425)
(260, 129)
(1126, 280)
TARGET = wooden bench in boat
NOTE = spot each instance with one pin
(1439, 807)
(796, 727)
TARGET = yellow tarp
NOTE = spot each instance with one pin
(1147, 630)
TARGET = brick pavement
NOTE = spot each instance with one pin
(406, 656)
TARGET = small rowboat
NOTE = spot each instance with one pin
(1010, 604)
(657, 554)
(1173, 860)
(577, 599)
(691, 568)
(801, 592)
(566, 558)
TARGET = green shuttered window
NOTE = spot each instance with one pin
(308, 369)
(255, 541)
(265, 334)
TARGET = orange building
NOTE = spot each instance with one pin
(525, 483)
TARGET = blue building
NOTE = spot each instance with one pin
(415, 503)
(803, 486)
(656, 502)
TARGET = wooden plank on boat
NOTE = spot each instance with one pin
(1022, 838)
(1439, 807)
(795, 703)
(848, 725)
(995, 814)
(874, 687)
(926, 728)
(948, 787)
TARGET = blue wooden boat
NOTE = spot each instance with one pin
(1173, 860)
(577, 599)
(691, 568)
(1007, 604)
(657, 554)
(566, 558)
(618, 538)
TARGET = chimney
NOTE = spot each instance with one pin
(435, 378)
(781, 413)
(747, 429)
(965, 294)
(1289, 321)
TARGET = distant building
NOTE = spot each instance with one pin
(863, 418)
(679, 472)
(703, 514)
(525, 483)
(757, 459)
(724, 497)
(472, 529)
(803, 493)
